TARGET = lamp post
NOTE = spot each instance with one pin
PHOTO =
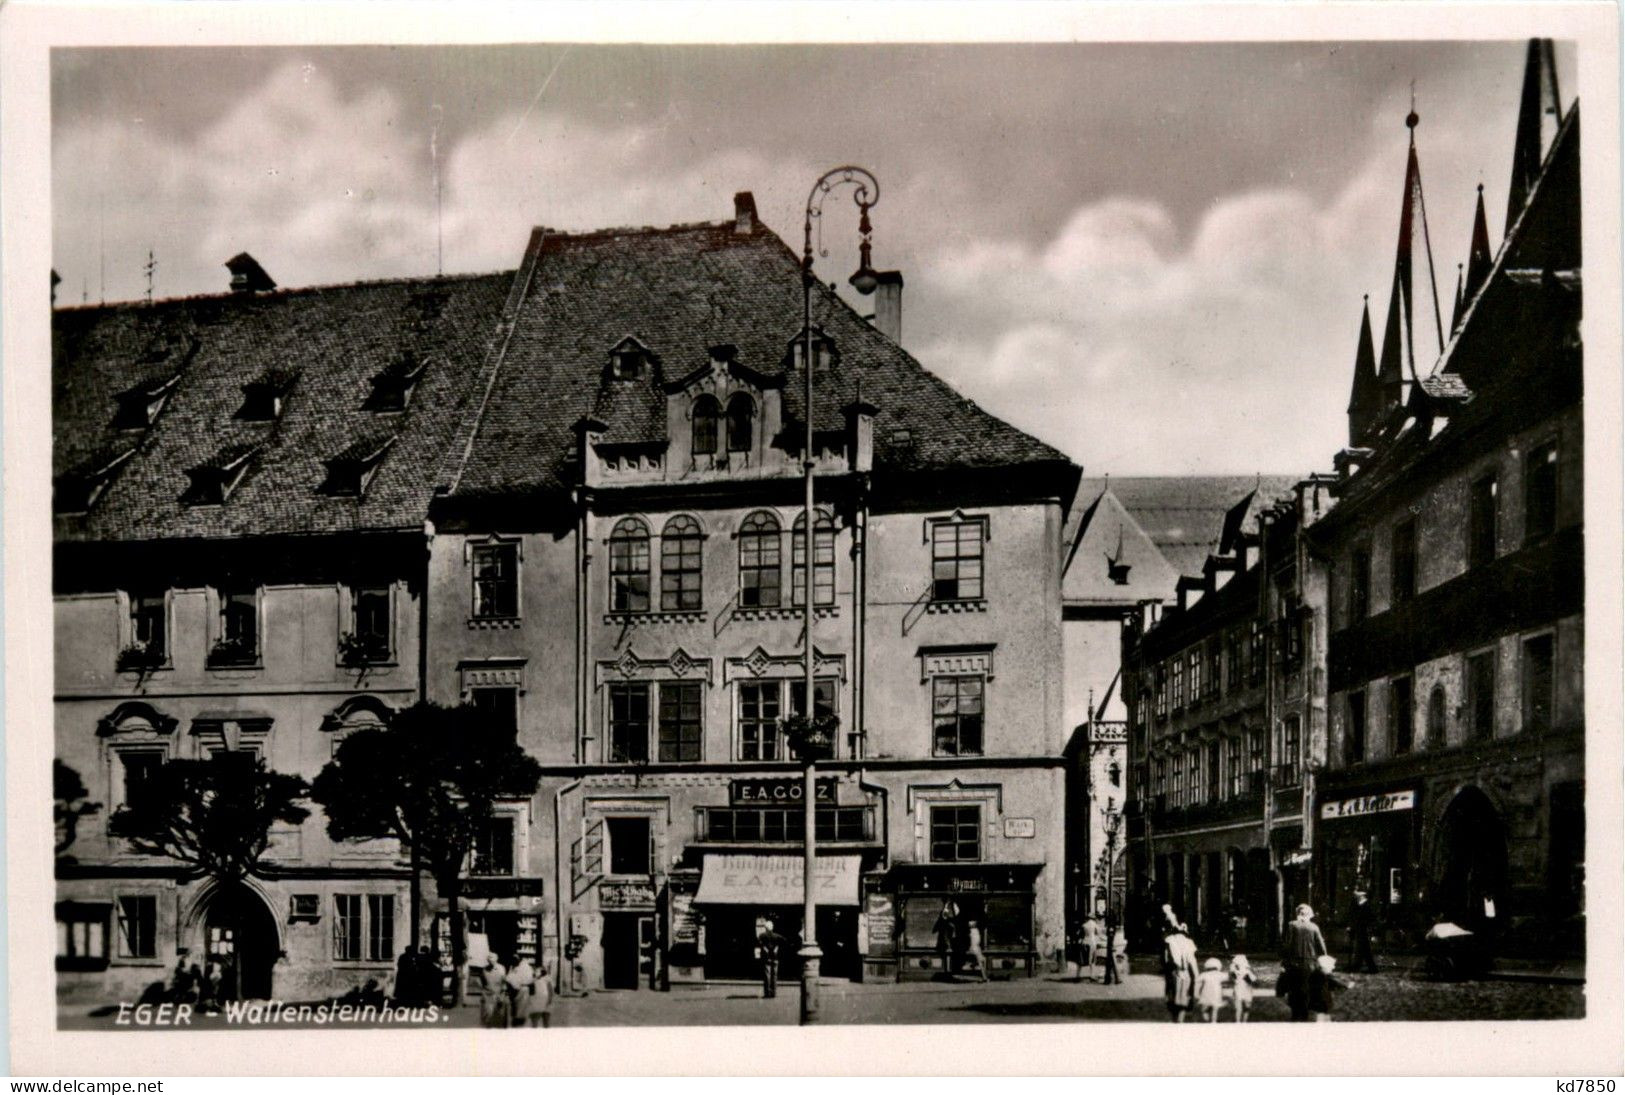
(1114, 819)
(866, 193)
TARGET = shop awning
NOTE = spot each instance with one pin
(776, 880)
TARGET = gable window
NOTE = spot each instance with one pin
(1538, 678)
(370, 630)
(956, 834)
(956, 560)
(351, 470)
(1401, 715)
(1436, 718)
(498, 708)
(496, 581)
(491, 853)
(703, 433)
(1481, 696)
(138, 926)
(263, 398)
(212, 482)
(680, 544)
(629, 722)
(823, 561)
(626, 363)
(1359, 584)
(1481, 521)
(1354, 730)
(759, 560)
(760, 736)
(392, 387)
(1403, 566)
(629, 566)
(148, 623)
(631, 846)
(239, 641)
(681, 725)
(1540, 492)
(741, 419)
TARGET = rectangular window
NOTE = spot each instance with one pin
(680, 720)
(760, 736)
(1212, 778)
(496, 581)
(1481, 521)
(1359, 585)
(630, 849)
(1194, 661)
(498, 708)
(492, 850)
(148, 620)
(370, 621)
(1255, 749)
(1354, 731)
(1538, 679)
(1540, 492)
(1232, 658)
(759, 558)
(347, 927)
(138, 927)
(823, 559)
(956, 561)
(1401, 715)
(823, 697)
(1481, 695)
(1177, 668)
(680, 546)
(140, 769)
(81, 936)
(1212, 671)
(1404, 561)
(629, 567)
(1177, 783)
(380, 927)
(1255, 652)
(629, 722)
(956, 716)
(1160, 785)
(239, 641)
(1162, 690)
(1290, 735)
(1232, 761)
(1193, 777)
(956, 834)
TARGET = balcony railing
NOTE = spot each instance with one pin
(784, 825)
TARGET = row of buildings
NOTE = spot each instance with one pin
(1377, 686)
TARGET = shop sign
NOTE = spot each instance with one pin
(684, 927)
(776, 792)
(625, 895)
(1020, 827)
(1368, 804)
(882, 923)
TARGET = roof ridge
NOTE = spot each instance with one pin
(282, 292)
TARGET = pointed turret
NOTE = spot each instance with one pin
(1397, 362)
(1540, 112)
(1461, 302)
(1365, 399)
(1481, 258)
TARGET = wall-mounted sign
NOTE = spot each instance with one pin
(684, 927)
(1020, 827)
(625, 895)
(882, 920)
(1368, 804)
(776, 792)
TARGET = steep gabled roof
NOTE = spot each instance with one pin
(1108, 536)
(1184, 514)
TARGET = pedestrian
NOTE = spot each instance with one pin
(1302, 947)
(768, 945)
(1091, 944)
(1242, 983)
(493, 1002)
(1362, 924)
(209, 991)
(184, 986)
(947, 930)
(521, 990)
(1178, 971)
(430, 982)
(1209, 990)
(973, 950)
(1112, 926)
(541, 1007)
(407, 991)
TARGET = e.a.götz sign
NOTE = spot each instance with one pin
(776, 792)
(1367, 804)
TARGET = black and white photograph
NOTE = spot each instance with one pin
(551, 534)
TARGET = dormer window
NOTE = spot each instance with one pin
(741, 419)
(263, 398)
(392, 388)
(823, 348)
(349, 473)
(77, 491)
(138, 406)
(213, 482)
(706, 413)
(628, 359)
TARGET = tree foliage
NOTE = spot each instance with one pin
(213, 815)
(69, 806)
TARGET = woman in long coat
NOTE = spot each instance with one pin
(1303, 983)
(494, 994)
(1179, 972)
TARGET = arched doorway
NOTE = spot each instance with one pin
(240, 933)
(1472, 862)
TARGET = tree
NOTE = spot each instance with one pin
(70, 805)
(429, 779)
(213, 815)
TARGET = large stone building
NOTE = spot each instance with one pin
(1454, 784)
(616, 567)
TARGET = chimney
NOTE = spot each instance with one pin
(248, 276)
(744, 213)
(889, 305)
(860, 432)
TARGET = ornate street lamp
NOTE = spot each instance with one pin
(815, 736)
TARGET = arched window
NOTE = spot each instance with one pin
(823, 561)
(680, 543)
(706, 413)
(740, 413)
(759, 561)
(1436, 718)
(629, 567)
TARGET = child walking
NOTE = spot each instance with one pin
(1210, 990)
(1242, 982)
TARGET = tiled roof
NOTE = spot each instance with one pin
(1107, 536)
(1184, 514)
(681, 291)
(336, 339)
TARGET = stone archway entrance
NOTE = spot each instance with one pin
(240, 933)
(1472, 863)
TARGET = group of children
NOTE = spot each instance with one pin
(1209, 991)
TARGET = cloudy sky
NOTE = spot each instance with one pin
(1151, 256)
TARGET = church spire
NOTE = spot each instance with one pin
(1365, 398)
(1461, 301)
(1540, 111)
(1398, 356)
